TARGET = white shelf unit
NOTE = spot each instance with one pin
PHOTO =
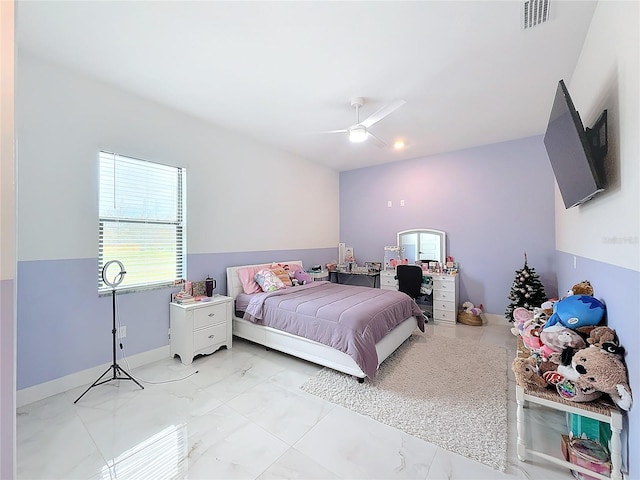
(600, 411)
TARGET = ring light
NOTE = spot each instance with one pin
(117, 280)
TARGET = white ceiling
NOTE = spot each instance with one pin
(278, 71)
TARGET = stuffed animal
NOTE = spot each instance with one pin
(468, 307)
(599, 335)
(526, 373)
(596, 368)
(302, 277)
(528, 327)
(582, 288)
(576, 311)
(556, 338)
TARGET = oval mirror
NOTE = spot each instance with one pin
(423, 244)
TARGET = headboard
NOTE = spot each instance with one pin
(234, 287)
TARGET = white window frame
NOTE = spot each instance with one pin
(136, 211)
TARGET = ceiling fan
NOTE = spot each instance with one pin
(359, 131)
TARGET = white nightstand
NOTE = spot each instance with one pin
(200, 328)
(319, 275)
(388, 280)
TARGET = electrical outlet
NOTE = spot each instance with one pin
(122, 332)
(402, 203)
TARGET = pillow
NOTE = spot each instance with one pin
(283, 275)
(247, 278)
(268, 281)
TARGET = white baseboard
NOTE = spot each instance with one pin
(85, 377)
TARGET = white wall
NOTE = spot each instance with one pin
(7, 242)
(607, 228)
(241, 195)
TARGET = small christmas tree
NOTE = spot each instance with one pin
(526, 291)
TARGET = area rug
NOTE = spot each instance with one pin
(450, 392)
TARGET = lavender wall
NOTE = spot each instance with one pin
(65, 327)
(495, 203)
(618, 288)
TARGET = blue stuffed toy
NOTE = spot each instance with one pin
(576, 311)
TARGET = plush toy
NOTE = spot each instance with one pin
(468, 307)
(593, 367)
(601, 335)
(576, 311)
(526, 373)
(556, 338)
(528, 327)
(302, 277)
(582, 288)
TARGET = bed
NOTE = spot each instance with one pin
(359, 356)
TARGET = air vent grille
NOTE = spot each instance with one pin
(535, 12)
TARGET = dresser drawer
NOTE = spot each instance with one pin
(444, 295)
(444, 315)
(444, 305)
(207, 337)
(388, 280)
(444, 285)
(209, 315)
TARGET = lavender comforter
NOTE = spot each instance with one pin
(348, 318)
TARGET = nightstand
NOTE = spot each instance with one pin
(200, 328)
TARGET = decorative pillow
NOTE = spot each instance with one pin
(268, 281)
(247, 278)
(283, 275)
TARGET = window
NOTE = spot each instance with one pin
(141, 221)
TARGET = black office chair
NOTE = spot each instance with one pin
(410, 280)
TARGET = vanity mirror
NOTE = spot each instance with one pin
(423, 244)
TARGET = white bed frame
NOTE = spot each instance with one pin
(308, 349)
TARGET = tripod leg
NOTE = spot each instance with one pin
(94, 383)
(129, 377)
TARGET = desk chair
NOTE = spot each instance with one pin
(410, 280)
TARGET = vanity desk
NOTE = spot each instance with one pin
(425, 245)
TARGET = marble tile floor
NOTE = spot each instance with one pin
(243, 416)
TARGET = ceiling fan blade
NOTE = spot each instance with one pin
(328, 131)
(375, 140)
(383, 112)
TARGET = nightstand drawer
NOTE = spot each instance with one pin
(209, 315)
(209, 336)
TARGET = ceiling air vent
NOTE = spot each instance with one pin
(535, 12)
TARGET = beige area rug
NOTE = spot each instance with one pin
(450, 392)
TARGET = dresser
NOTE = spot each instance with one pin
(445, 298)
(200, 328)
(388, 280)
(445, 294)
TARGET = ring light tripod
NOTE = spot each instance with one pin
(117, 280)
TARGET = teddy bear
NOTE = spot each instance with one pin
(601, 335)
(528, 326)
(602, 371)
(582, 288)
(526, 373)
(302, 277)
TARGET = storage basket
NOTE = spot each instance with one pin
(468, 318)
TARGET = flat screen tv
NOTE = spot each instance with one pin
(576, 154)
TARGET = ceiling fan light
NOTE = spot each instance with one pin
(357, 134)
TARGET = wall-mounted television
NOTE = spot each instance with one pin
(576, 155)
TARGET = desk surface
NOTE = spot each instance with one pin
(369, 274)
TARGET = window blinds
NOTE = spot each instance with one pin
(141, 220)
